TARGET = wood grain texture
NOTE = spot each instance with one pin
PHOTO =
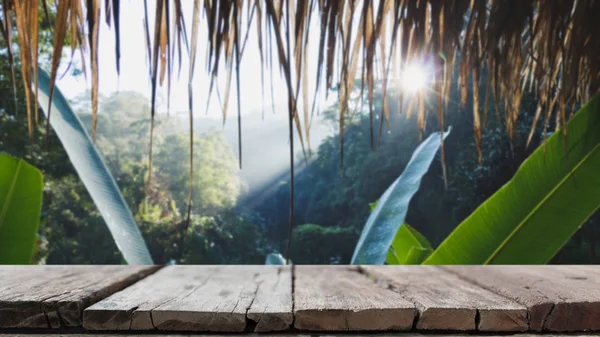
(447, 303)
(271, 309)
(338, 298)
(55, 296)
(559, 298)
(200, 298)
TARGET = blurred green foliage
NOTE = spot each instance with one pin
(314, 244)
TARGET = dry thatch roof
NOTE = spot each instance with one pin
(551, 47)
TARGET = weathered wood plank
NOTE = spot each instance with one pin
(200, 298)
(130, 309)
(447, 303)
(271, 309)
(55, 296)
(338, 298)
(559, 298)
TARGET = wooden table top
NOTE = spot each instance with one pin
(300, 300)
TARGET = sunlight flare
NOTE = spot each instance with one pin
(414, 78)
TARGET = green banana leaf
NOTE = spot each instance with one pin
(94, 174)
(531, 217)
(390, 211)
(275, 258)
(21, 190)
(408, 247)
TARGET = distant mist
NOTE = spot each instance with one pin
(265, 144)
(265, 141)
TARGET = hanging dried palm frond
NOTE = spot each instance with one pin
(24, 22)
(6, 30)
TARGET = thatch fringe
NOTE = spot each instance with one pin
(549, 47)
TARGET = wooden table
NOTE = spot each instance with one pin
(299, 300)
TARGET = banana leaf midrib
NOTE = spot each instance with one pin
(10, 193)
(552, 193)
